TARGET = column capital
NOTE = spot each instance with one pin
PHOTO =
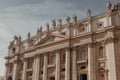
(57, 51)
(16, 61)
(74, 47)
(36, 56)
(68, 48)
(24, 59)
(110, 39)
(90, 44)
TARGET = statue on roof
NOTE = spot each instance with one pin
(15, 39)
(19, 38)
(37, 30)
(11, 44)
(75, 19)
(40, 29)
(109, 5)
(60, 22)
(68, 19)
(47, 26)
(53, 23)
(28, 35)
(89, 13)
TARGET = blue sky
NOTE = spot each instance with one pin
(18, 17)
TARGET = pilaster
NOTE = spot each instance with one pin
(15, 70)
(110, 55)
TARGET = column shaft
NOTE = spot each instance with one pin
(37, 68)
(15, 71)
(24, 70)
(45, 67)
(34, 66)
(57, 74)
(90, 62)
(6, 72)
(74, 65)
(67, 65)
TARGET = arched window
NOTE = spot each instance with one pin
(101, 52)
(101, 76)
(10, 78)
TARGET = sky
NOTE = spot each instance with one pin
(18, 17)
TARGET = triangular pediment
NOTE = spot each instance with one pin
(50, 38)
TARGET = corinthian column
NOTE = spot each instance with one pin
(67, 64)
(24, 69)
(37, 68)
(15, 70)
(74, 65)
(57, 74)
(34, 66)
(45, 67)
(6, 71)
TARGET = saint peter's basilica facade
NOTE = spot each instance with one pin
(86, 49)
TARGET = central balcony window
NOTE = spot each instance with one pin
(82, 53)
(30, 64)
(51, 59)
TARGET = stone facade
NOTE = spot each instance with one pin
(86, 49)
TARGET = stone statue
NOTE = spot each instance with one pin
(40, 29)
(37, 30)
(53, 23)
(109, 5)
(89, 13)
(11, 44)
(75, 19)
(15, 39)
(68, 19)
(28, 35)
(60, 23)
(19, 38)
(47, 26)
